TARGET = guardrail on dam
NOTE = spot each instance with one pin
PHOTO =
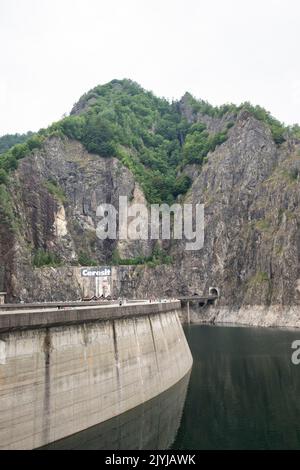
(63, 371)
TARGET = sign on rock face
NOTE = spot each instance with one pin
(96, 281)
(96, 272)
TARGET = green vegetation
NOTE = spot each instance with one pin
(259, 278)
(289, 174)
(263, 225)
(55, 190)
(294, 173)
(6, 208)
(3, 176)
(9, 140)
(198, 143)
(279, 250)
(123, 120)
(45, 258)
(203, 107)
(9, 159)
(158, 257)
(277, 128)
(85, 260)
(182, 184)
(147, 134)
(295, 131)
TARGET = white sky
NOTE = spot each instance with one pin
(52, 51)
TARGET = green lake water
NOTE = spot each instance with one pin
(243, 393)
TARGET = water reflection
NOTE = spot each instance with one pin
(152, 425)
(244, 391)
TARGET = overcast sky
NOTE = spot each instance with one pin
(52, 51)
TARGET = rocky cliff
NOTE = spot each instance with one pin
(248, 182)
(250, 189)
(55, 193)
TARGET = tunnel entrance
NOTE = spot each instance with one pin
(214, 291)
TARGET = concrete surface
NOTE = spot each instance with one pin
(64, 371)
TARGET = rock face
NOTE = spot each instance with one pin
(55, 195)
(250, 189)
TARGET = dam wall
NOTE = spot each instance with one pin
(63, 371)
(152, 425)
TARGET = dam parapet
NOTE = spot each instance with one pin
(63, 371)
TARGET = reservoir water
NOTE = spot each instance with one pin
(243, 393)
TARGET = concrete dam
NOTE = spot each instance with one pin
(64, 371)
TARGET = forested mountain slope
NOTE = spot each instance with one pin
(122, 140)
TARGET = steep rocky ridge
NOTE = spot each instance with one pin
(250, 188)
(63, 222)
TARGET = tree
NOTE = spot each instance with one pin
(3, 176)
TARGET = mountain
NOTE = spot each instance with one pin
(122, 140)
(9, 140)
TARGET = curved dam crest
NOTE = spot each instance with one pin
(80, 368)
